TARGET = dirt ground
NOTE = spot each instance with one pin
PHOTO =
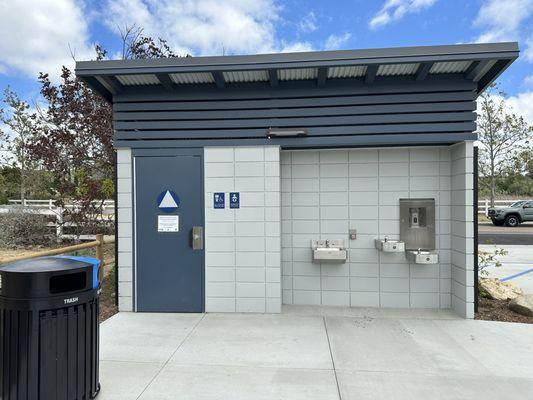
(107, 296)
(497, 310)
(108, 306)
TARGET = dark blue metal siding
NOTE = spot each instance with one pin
(347, 112)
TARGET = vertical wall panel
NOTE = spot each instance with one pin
(462, 233)
(125, 229)
(243, 245)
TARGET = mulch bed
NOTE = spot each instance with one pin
(107, 297)
(497, 310)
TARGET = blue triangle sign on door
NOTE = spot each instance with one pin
(168, 201)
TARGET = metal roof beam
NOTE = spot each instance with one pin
(95, 85)
(322, 76)
(273, 77)
(481, 69)
(493, 73)
(165, 80)
(470, 68)
(111, 83)
(371, 72)
(423, 71)
(219, 79)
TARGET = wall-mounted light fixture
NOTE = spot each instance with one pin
(289, 132)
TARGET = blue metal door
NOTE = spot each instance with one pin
(169, 233)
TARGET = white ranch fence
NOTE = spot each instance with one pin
(47, 207)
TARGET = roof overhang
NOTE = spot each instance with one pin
(480, 63)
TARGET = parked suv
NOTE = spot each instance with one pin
(515, 214)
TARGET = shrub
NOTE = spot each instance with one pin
(488, 258)
(20, 228)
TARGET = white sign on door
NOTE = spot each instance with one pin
(168, 223)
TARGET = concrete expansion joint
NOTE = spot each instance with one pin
(332, 359)
(172, 354)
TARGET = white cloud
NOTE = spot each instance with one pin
(528, 49)
(334, 42)
(295, 47)
(201, 27)
(394, 10)
(38, 36)
(308, 23)
(501, 20)
(522, 104)
(528, 81)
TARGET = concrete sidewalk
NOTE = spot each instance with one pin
(314, 353)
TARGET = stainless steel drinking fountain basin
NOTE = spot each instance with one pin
(422, 256)
(329, 251)
(389, 246)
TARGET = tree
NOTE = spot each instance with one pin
(75, 142)
(524, 163)
(502, 134)
(137, 46)
(75, 138)
(21, 124)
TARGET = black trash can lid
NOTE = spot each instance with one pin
(32, 277)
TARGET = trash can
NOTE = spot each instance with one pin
(49, 329)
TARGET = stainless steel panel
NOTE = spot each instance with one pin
(389, 246)
(197, 238)
(329, 251)
(417, 223)
(422, 257)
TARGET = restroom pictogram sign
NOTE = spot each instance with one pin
(234, 200)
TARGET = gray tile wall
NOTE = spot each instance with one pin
(125, 229)
(243, 245)
(462, 229)
(327, 192)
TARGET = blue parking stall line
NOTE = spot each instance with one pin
(508, 278)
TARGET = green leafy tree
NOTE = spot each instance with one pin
(21, 123)
(503, 135)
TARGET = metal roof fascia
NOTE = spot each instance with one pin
(394, 52)
(303, 60)
(309, 64)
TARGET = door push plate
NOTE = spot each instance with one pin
(197, 238)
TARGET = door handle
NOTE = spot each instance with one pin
(197, 238)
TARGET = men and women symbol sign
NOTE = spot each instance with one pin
(219, 200)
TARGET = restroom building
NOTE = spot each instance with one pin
(337, 178)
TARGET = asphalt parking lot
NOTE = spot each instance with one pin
(490, 234)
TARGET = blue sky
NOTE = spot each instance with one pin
(41, 35)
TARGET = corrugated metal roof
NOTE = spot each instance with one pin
(397, 69)
(451, 67)
(136, 80)
(246, 76)
(347, 72)
(297, 74)
(192, 77)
